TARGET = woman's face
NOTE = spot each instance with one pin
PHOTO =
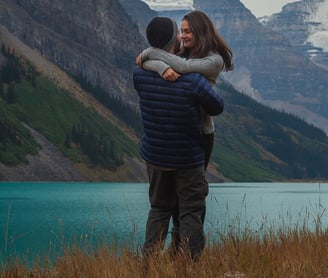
(187, 35)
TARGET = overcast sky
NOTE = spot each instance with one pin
(265, 7)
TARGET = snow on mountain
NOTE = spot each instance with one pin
(169, 5)
(319, 39)
(305, 24)
(318, 27)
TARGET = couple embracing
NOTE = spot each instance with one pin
(175, 86)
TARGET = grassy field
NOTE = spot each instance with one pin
(283, 253)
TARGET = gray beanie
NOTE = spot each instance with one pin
(162, 33)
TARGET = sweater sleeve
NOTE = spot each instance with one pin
(155, 65)
(209, 66)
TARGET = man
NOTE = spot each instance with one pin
(172, 144)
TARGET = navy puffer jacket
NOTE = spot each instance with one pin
(171, 118)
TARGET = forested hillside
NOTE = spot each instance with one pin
(253, 142)
(84, 136)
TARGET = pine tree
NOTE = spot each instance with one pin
(11, 97)
(2, 90)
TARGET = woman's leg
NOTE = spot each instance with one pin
(208, 147)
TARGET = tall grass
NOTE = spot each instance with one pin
(296, 252)
(292, 249)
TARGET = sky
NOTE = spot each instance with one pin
(265, 7)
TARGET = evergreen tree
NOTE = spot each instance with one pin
(11, 69)
(2, 90)
(32, 74)
(68, 140)
(11, 98)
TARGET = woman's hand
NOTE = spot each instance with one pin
(138, 60)
(170, 75)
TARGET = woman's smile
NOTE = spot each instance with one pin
(187, 35)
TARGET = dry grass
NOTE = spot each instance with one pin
(291, 253)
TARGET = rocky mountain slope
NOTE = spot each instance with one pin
(48, 164)
(59, 57)
(139, 13)
(85, 38)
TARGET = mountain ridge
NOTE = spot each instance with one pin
(253, 142)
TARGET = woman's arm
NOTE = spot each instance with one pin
(155, 65)
(209, 66)
(160, 67)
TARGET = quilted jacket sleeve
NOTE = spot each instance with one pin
(206, 96)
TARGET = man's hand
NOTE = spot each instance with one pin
(170, 75)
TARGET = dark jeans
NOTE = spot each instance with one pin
(185, 189)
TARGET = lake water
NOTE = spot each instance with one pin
(43, 218)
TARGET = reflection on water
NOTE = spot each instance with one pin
(41, 217)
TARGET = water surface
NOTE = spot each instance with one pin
(41, 218)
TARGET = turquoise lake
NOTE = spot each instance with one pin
(44, 218)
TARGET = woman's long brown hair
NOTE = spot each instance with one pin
(208, 39)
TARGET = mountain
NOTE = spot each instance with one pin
(87, 39)
(52, 130)
(82, 51)
(305, 25)
(268, 67)
(68, 110)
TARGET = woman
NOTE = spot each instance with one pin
(203, 50)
